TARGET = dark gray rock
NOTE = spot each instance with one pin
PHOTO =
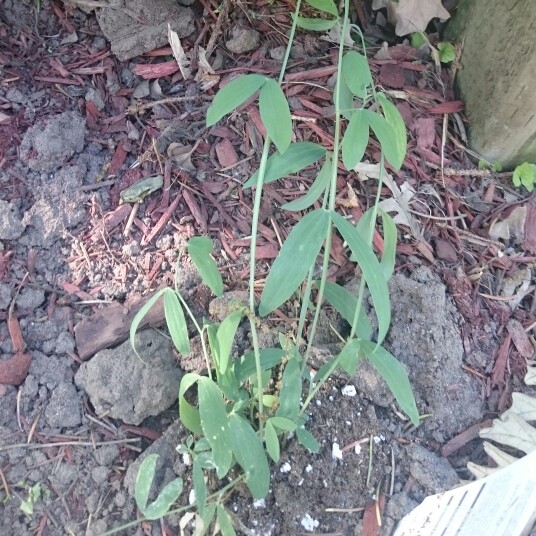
(63, 410)
(433, 472)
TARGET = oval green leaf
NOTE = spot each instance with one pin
(371, 270)
(319, 186)
(232, 95)
(355, 139)
(200, 486)
(356, 73)
(144, 480)
(275, 114)
(272, 441)
(245, 368)
(286, 425)
(176, 322)
(200, 249)
(308, 440)
(165, 499)
(396, 122)
(189, 414)
(386, 137)
(324, 5)
(225, 335)
(345, 304)
(224, 521)
(389, 245)
(140, 315)
(349, 356)
(315, 25)
(396, 377)
(297, 156)
(214, 423)
(291, 389)
(249, 453)
(298, 254)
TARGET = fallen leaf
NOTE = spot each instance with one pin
(530, 376)
(392, 75)
(182, 155)
(178, 53)
(226, 153)
(513, 431)
(511, 227)
(206, 77)
(415, 15)
(524, 406)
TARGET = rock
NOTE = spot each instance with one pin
(10, 225)
(51, 142)
(59, 205)
(8, 404)
(5, 296)
(433, 472)
(30, 298)
(242, 40)
(106, 455)
(165, 447)
(424, 336)
(50, 371)
(136, 26)
(220, 307)
(65, 343)
(119, 383)
(63, 410)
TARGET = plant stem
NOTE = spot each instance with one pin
(332, 192)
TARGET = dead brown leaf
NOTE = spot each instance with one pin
(415, 15)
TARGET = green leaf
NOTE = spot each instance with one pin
(387, 138)
(272, 441)
(308, 440)
(387, 262)
(315, 25)
(395, 376)
(212, 336)
(302, 244)
(249, 453)
(245, 368)
(206, 520)
(345, 304)
(418, 39)
(224, 521)
(346, 100)
(324, 5)
(189, 415)
(232, 95)
(283, 424)
(319, 186)
(165, 499)
(396, 122)
(297, 157)
(140, 315)
(326, 370)
(356, 73)
(355, 139)
(214, 423)
(525, 174)
(226, 334)
(350, 356)
(275, 114)
(290, 394)
(447, 52)
(200, 487)
(229, 385)
(144, 480)
(176, 322)
(200, 248)
(371, 271)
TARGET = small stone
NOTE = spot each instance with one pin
(100, 474)
(242, 40)
(65, 343)
(11, 227)
(63, 410)
(30, 298)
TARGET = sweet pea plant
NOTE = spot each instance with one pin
(240, 413)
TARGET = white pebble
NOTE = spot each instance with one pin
(260, 503)
(348, 390)
(308, 468)
(285, 468)
(308, 523)
(336, 453)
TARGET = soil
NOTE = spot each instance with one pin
(79, 425)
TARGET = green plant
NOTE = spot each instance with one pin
(240, 413)
(443, 52)
(525, 174)
(34, 494)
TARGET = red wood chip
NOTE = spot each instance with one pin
(392, 75)
(13, 371)
(520, 338)
(447, 107)
(226, 154)
(372, 517)
(445, 250)
(156, 70)
(424, 128)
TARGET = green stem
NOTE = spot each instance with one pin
(255, 226)
(332, 192)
